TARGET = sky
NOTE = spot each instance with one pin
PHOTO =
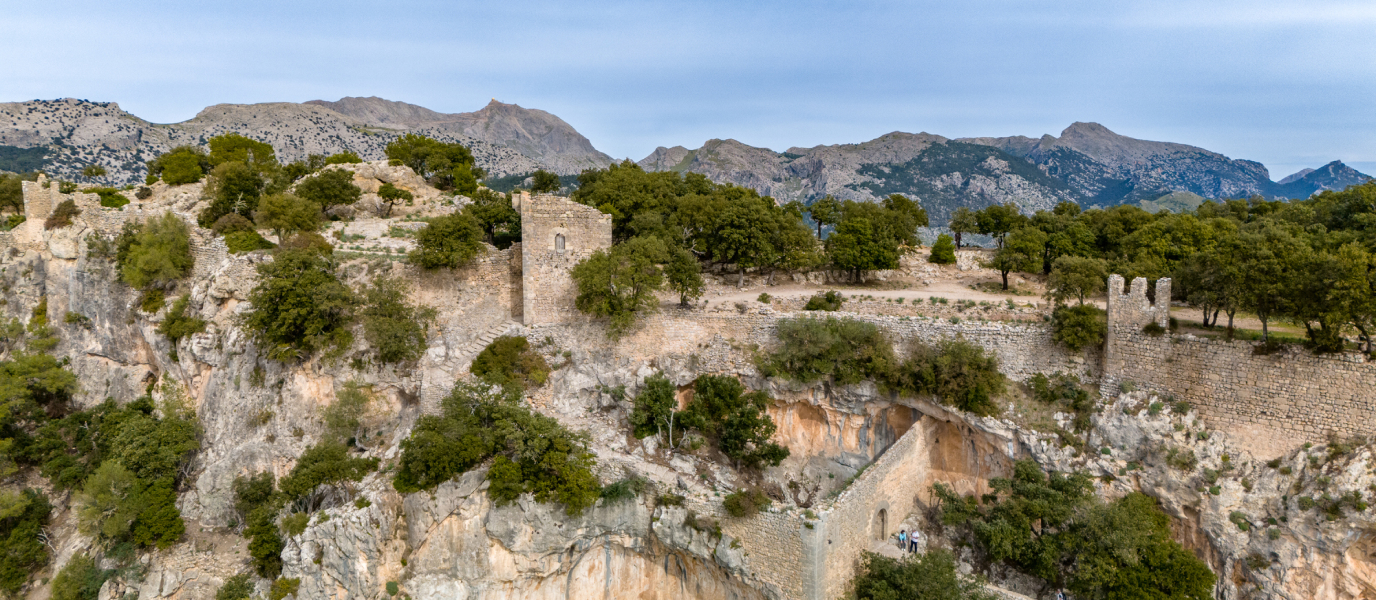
(1288, 84)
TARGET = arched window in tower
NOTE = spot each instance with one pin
(559, 242)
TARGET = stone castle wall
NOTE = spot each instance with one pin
(546, 222)
(1304, 397)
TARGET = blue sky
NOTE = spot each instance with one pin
(1290, 84)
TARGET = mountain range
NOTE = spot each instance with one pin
(1087, 164)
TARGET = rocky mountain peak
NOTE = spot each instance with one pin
(1296, 176)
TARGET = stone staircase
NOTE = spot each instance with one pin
(440, 379)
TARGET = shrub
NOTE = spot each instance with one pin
(737, 421)
(1054, 527)
(110, 197)
(394, 328)
(829, 301)
(330, 187)
(392, 588)
(535, 454)
(265, 543)
(668, 499)
(177, 324)
(1182, 459)
(509, 361)
(295, 524)
(846, 350)
(281, 588)
(322, 468)
(447, 242)
(80, 579)
(285, 214)
(1078, 326)
(1240, 519)
(344, 416)
(1155, 408)
(1181, 408)
(240, 242)
(62, 215)
(343, 158)
(234, 188)
(1154, 329)
(957, 372)
(625, 489)
(179, 166)
(1305, 503)
(23, 515)
(943, 251)
(232, 223)
(299, 306)
(764, 298)
(237, 587)
(653, 408)
(745, 502)
(928, 576)
(155, 253)
(143, 193)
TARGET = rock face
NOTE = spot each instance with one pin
(63, 136)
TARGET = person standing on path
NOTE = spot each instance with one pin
(902, 538)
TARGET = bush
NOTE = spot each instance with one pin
(80, 579)
(391, 195)
(737, 421)
(234, 188)
(62, 215)
(394, 328)
(653, 408)
(764, 298)
(23, 515)
(299, 306)
(344, 416)
(343, 158)
(237, 587)
(143, 193)
(232, 223)
(240, 242)
(1092, 548)
(1154, 329)
(109, 197)
(320, 472)
(535, 454)
(846, 350)
(943, 251)
(1240, 520)
(509, 361)
(285, 214)
(265, 543)
(281, 588)
(830, 301)
(330, 187)
(181, 165)
(619, 284)
(1182, 459)
(957, 372)
(177, 324)
(1078, 326)
(155, 253)
(626, 489)
(928, 576)
(745, 502)
(447, 242)
(308, 241)
(1063, 390)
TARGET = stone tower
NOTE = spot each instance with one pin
(556, 233)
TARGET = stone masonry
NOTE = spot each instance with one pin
(556, 233)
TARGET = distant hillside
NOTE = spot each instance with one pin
(1088, 164)
(62, 136)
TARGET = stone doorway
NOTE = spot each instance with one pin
(881, 525)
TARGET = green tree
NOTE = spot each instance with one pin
(943, 251)
(855, 248)
(846, 351)
(619, 284)
(1022, 252)
(391, 195)
(265, 543)
(234, 188)
(653, 408)
(1269, 259)
(450, 241)
(928, 576)
(743, 235)
(1078, 326)
(999, 220)
(510, 361)
(684, 275)
(156, 253)
(109, 502)
(544, 182)
(343, 418)
(237, 587)
(736, 420)
(1076, 277)
(285, 214)
(329, 188)
(12, 193)
(446, 166)
(232, 147)
(23, 517)
(322, 470)
(394, 328)
(92, 171)
(501, 224)
(826, 211)
(963, 221)
(180, 166)
(299, 306)
(343, 158)
(957, 372)
(80, 579)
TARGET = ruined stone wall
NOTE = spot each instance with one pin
(1299, 395)
(548, 289)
